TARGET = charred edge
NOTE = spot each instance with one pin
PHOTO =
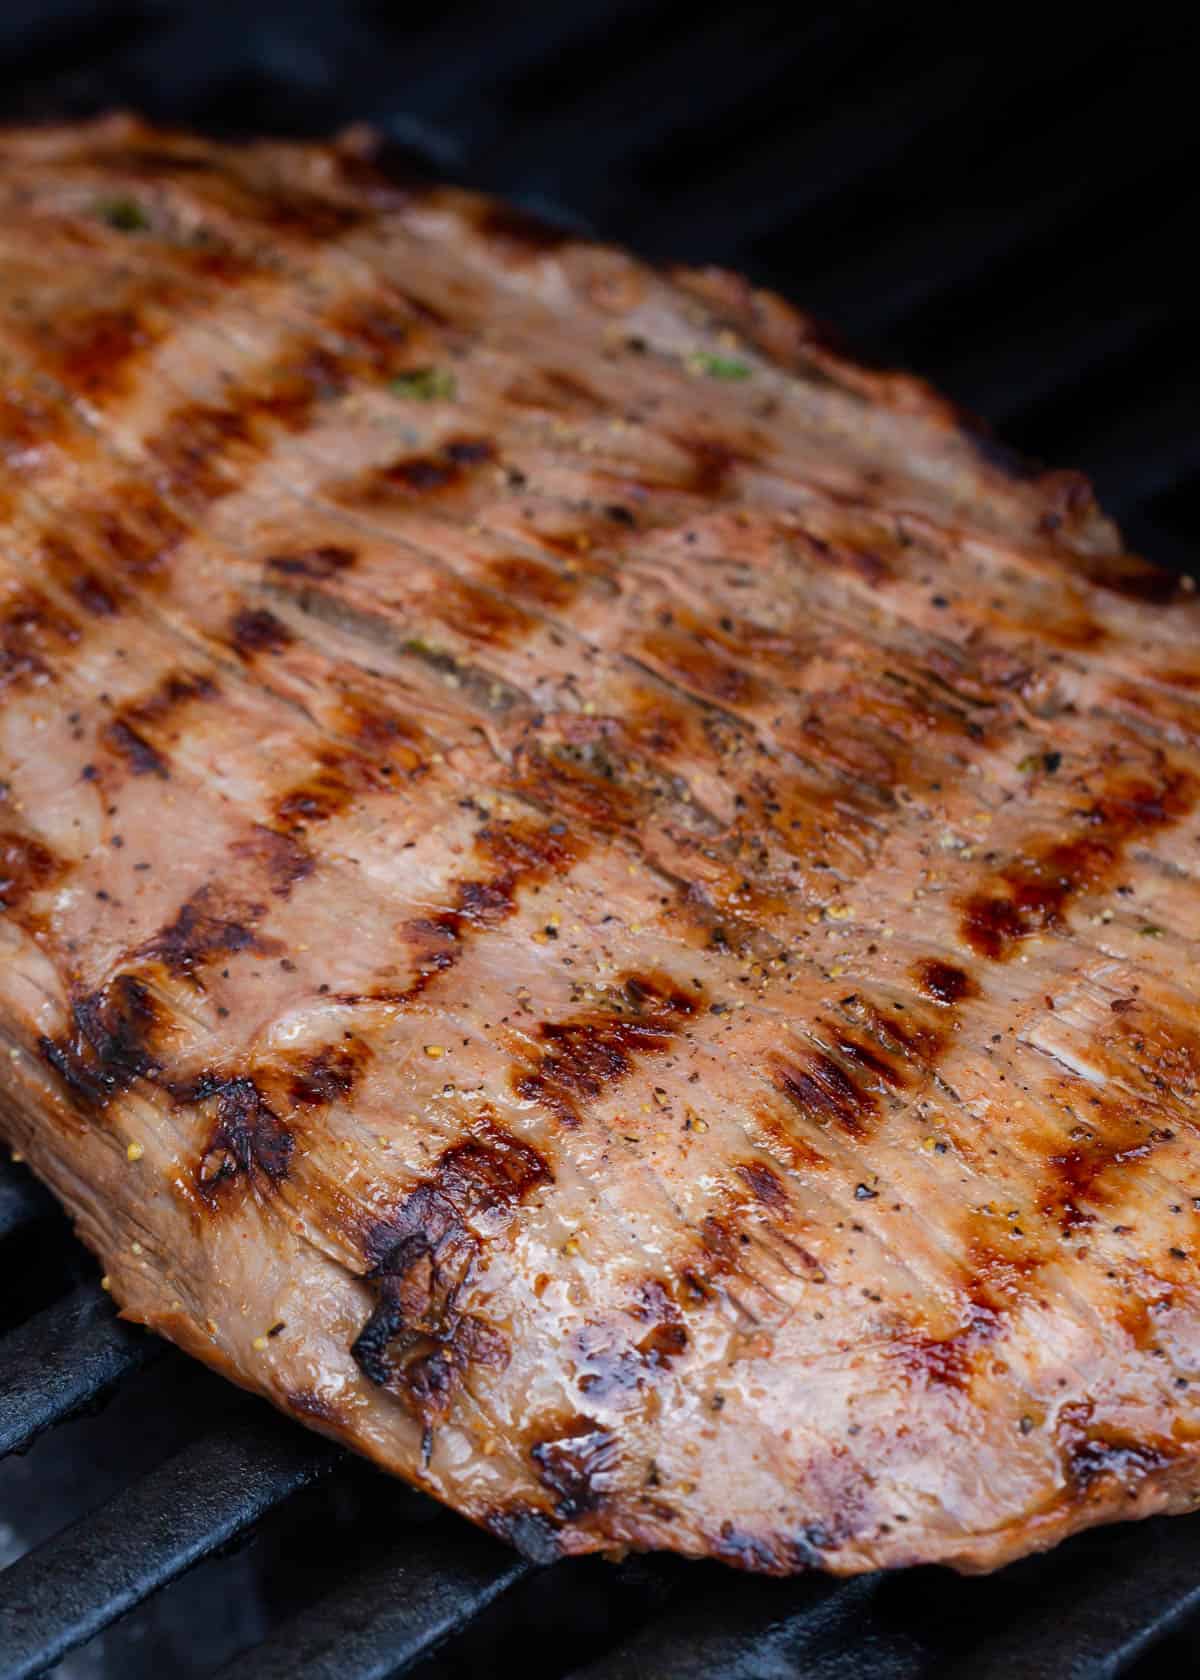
(203, 930)
(521, 232)
(576, 1464)
(1092, 1455)
(823, 1092)
(586, 1057)
(775, 1554)
(532, 1532)
(1033, 896)
(109, 1048)
(864, 1060)
(249, 1142)
(317, 565)
(307, 1403)
(256, 630)
(943, 982)
(27, 867)
(417, 1342)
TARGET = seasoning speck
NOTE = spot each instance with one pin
(124, 214)
(428, 384)
(134, 1152)
(717, 367)
(433, 1051)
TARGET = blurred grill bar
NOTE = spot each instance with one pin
(65, 1357)
(67, 1589)
(390, 1615)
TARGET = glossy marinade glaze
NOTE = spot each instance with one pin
(596, 901)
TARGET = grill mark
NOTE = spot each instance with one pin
(947, 1361)
(519, 855)
(133, 530)
(1033, 894)
(133, 747)
(943, 982)
(1076, 1176)
(256, 630)
(27, 867)
(27, 426)
(63, 562)
(284, 860)
(317, 564)
(587, 1056)
(688, 661)
(33, 633)
(713, 461)
(764, 1185)
(206, 928)
(249, 1145)
(175, 691)
(481, 616)
(95, 351)
(110, 1044)
(428, 477)
(825, 1094)
(418, 1343)
(332, 786)
(331, 1074)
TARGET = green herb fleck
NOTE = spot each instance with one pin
(1150, 931)
(1049, 762)
(425, 385)
(718, 367)
(124, 214)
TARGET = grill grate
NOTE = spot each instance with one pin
(1005, 220)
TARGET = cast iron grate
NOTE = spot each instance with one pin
(1007, 221)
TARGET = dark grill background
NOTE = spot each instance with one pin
(1011, 215)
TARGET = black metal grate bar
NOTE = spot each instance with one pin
(61, 1359)
(22, 1203)
(769, 1630)
(1137, 1587)
(80, 1581)
(391, 1615)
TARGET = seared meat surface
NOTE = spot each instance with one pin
(595, 901)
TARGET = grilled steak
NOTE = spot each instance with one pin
(598, 902)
